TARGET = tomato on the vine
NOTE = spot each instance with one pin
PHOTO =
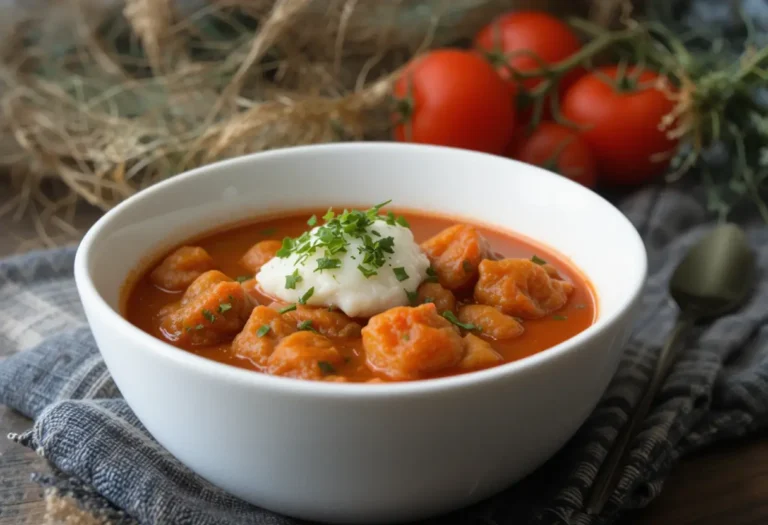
(512, 40)
(556, 148)
(621, 116)
(454, 98)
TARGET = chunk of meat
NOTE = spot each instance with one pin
(435, 293)
(491, 321)
(212, 316)
(411, 342)
(305, 355)
(263, 331)
(329, 323)
(259, 254)
(520, 288)
(455, 254)
(179, 269)
(478, 354)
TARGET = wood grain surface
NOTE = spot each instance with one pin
(724, 485)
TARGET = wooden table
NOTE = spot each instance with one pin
(726, 485)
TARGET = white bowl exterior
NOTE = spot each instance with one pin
(364, 453)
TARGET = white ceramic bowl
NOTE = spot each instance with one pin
(359, 452)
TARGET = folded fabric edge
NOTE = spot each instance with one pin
(68, 499)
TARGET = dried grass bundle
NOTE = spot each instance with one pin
(108, 97)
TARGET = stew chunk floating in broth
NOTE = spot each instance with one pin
(361, 296)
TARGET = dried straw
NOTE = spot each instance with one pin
(144, 89)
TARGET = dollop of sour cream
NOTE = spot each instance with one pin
(356, 288)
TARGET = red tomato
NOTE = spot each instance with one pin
(510, 36)
(622, 124)
(559, 149)
(454, 98)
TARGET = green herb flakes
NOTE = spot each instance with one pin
(225, 307)
(326, 367)
(199, 327)
(263, 330)
(292, 280)
(538, 260)
(304, 298)
(290, 308)
(327, 263)
(559, 317)
(466, 326)
(242, 278)
(413, 297)
(306, 325)
(209, 316)
(431, 275)
(400, 273)
(312, 221)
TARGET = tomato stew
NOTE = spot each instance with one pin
(488, 297)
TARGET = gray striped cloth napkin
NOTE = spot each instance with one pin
(105, 459)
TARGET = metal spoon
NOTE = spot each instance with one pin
(714, 278)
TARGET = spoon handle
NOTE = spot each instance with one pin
(609, 474)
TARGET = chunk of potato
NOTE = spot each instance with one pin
(204, 282)
(212, 316)
(411, 342)
(179, 269)
(492, 322)
(305, 355)
(435, 293)
(478, 354)
(330, 323)
(455, 254)
(259, 254)
(520, 288)
(263, 331)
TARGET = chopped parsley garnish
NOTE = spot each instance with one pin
(210, 317)
(199, 327)
(559, 317)
(467, 266)
(326, 367)
(242, 278)
(334, 235)
(224, 307)
(400, 221)
(367, 272)
(187, 328)
(400, 273)
(538, 260)
(290, 308)
(431, 275)
(306, 325)
(413, 297)
(466, 326)
(292, 280)
(428, 300)
(263, 330)
(327, 263)
(304, 298)
(406, 336)
(268, 231)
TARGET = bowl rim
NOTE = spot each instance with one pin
(248, 378)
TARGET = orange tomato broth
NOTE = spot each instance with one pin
(142, 300)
